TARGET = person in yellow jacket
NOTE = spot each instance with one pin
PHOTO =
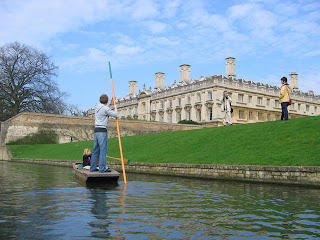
(285, 93)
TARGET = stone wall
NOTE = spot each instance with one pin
(68, 128)
(5, 153)
(305, 175)
(299, 175)
(71, 128)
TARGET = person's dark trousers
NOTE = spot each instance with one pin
(284, 109)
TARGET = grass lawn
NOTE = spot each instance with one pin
(292, 143)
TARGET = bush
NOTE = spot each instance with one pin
(43, 136)
(189, 122)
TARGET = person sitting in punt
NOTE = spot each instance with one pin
(86, 157)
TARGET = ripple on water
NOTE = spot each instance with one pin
(57, 206)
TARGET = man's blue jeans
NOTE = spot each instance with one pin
(284, 111)
(100, 149)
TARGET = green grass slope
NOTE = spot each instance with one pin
(292, 143)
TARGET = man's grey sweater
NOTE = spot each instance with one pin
(102, 114)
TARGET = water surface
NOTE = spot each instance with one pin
(45, 202)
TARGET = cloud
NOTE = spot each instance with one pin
(89, 33)
(240, 11)
(123, 38)
(171, 7)
(309, 80)
(142, 9)
(93, 59)
(127, 50)
(161, 41)
(155, 27)
(37, 21)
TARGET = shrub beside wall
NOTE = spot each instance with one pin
(189, 122)
(43, 136)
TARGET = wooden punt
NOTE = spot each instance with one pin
(88, 176)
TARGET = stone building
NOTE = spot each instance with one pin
(198, 100)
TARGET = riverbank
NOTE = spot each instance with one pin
(295, 175)
(277, 143)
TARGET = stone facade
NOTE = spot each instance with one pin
(198, 100)
(70, 128)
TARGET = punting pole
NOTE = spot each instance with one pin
(118, 128)
(119, 159)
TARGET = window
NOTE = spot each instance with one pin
(170, 103)
(198, 97)
(299, 106)
(170, 118)
(178, 116)
(153, 117)
(161, 118)
(144, 106)
(154, 106)
(276, 103)
(250, 115)
(260, 116)
(268, 117)
(315, 109)
(268, 102)
(240, 97)
(188, 99)
(188, 115)
(250, 99)
(198, 115)
(161, 104)
(307, 108)
(241, 114)
(209, 95)
(179, 101)
(277, 117)
(259, 100)
(210, 113)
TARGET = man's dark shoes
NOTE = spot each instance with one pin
(94, 170)
(107, 170)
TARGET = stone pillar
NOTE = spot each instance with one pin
(5, 153)
(230, 67)
(159, 80)
(133, 87)
(184, 73)
(294, 81)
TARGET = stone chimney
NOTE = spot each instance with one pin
(133, 87)
(230, 67)
(159, 80)
(185, 73)
(294, 81)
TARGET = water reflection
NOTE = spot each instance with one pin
(43, 202)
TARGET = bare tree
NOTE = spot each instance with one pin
(26, 82)
(74, 110)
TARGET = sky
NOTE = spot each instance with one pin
(269, 39)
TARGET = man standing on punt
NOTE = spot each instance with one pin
(100, 147)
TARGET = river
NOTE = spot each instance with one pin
(47, 202)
